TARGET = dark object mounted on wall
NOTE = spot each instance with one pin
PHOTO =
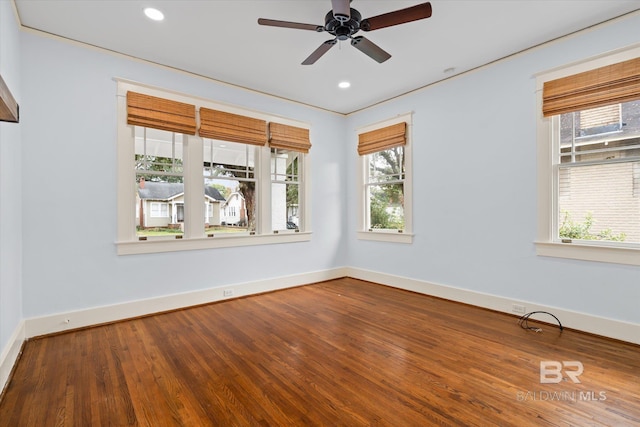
(9, 109)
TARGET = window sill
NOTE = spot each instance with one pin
(612, 254)
(156, 246)
(386, 236)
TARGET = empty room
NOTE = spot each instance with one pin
(319, 213)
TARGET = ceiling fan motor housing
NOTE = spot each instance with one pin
(342, 29)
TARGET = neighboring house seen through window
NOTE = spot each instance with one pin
(158, 166)
(230, 167)
(595, 172)
(598, 201)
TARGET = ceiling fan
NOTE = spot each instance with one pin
(343, 22)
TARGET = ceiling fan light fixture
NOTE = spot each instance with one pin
(153, 14)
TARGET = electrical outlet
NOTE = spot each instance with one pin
(227, 292)
(517, 308)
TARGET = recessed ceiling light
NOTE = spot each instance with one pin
(344, 85)
(154, 14)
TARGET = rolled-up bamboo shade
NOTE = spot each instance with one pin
(289, 137)
(9, 109)
(159, 113)
(612, 84)
(232, 127)
(382, 139)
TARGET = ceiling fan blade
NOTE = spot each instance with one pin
(401, 16)
(324, 48)
(287, 24)
(341, 10)
(369, 48)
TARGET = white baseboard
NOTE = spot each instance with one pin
(60, 322)
(10, 353)
(611, 328)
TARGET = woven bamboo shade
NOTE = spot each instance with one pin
(612, 84)
(160, 113)
(232, 127)
(289, 137)
(9, 109)
(382, 139)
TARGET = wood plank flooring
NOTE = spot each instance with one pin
(338, 353)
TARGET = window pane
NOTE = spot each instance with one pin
(229, 180)
(603, 133)
(600, 202)
(387, 165)
(602, 150)
(285, 174)
(385, 189)
(214, 203)
(386, 206)
(159, 152)
(160, 189)
(598, 176)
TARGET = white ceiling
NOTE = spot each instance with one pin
(222, 40)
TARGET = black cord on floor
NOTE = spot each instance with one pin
(523, 322)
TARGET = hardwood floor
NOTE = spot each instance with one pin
(338, 353)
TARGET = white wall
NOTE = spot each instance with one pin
(69, 139)
(10, 191)
(474, 191)
(475, 188)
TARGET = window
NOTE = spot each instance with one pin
(588, 160)
(158, 166)
(385, 180)
(193, 174)
(159, 210)
(288, 145)
(230, 168)
(384, 189)
(595, 176)
(285, 193)
(209, 212)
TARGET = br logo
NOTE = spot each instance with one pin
(551, 371)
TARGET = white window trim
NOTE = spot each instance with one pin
(127, 242)
(546, 244)
(406, 236)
